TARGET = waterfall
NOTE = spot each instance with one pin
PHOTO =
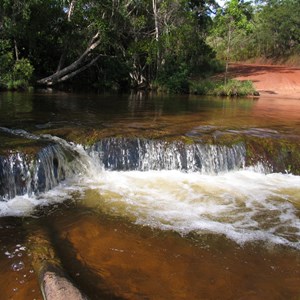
(144, 155)
(21, 174)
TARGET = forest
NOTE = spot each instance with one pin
(143, 44)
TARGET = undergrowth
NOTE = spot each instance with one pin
(233, 88)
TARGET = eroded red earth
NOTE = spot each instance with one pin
(269, 80)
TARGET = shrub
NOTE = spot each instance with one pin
(203, 87)
(231, 89)
(6, 63)
(16, 76)
(22, 70)
(178, 83)
(235, 88)
(174, 78)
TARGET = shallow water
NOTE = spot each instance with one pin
(111, 258)
(153, 234)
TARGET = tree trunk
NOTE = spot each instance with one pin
(16, 49)
(156, 25)
(79, 65)
(73, 74)
(53, 280)
(61, 61)
(139, 81)
(155, 13)
(228, 51)
(71, 9)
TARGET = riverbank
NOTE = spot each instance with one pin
(269, 80)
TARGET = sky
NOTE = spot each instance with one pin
(221, 2)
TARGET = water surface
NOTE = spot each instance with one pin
(230, 233)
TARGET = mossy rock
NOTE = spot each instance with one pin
(281, 155)
(89, 136)
(13, 144)
(274, 151)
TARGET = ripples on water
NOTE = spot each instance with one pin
(242, 205)
(167, 234)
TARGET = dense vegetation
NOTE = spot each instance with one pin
(116, 44)
(265, 29)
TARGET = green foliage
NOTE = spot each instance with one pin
(210, 68)
(178, 82)
(14, 74)
(231, 28)
(203, 87)
(278, 29)
(269, 29)
(233, 88)
(6, 62)
(22, 70)
(132, 46)
(172, 76)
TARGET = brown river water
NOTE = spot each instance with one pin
(163, 233)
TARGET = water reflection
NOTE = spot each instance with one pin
(91, 110)
(94, 234)
(15, 105)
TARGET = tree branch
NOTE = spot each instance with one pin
(70, 75)
(71, 9)
(54, 78)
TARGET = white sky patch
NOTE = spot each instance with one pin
(221, 2)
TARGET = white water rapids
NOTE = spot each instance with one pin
(243, 204)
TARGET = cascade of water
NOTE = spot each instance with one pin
(238, 204)
(20, 174)
(144, 155)
(14, 172)
(23, 174)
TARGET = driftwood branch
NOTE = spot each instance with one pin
(76, 67)
(53, 280)
(83, 68)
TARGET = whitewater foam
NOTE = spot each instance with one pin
(208, 193)
(242, 205)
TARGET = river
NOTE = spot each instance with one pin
(151, 196)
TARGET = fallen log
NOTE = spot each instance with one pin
(54, 283)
